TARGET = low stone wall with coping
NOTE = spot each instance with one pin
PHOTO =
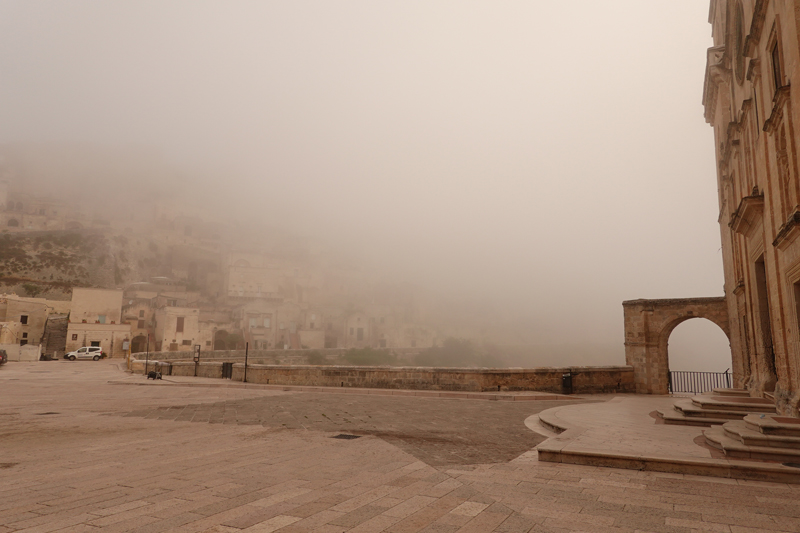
(585, 379)
(253, 355)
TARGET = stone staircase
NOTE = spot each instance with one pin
(715, 408)
(761, 437)
(54, 340)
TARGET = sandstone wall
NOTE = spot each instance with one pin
(255, 355)
(584, 379)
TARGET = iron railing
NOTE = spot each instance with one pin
(698, 382)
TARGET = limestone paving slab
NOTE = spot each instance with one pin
(92, 468)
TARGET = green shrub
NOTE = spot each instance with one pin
(32, 290)
(453, 352)
(369, 357)
(316, 358)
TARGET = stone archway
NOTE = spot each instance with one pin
(648, 324)
(139, 344)
(221, 340)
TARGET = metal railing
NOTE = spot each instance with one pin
(698, 382)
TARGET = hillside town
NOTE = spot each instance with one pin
(157, 276)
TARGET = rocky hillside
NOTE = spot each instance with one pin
(49, 264)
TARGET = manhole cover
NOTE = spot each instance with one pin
(48, 413)
(346, 437)
(793, 465)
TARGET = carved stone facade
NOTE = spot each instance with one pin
(749, 102)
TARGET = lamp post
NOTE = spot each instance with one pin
(246, 348)
(147, 355)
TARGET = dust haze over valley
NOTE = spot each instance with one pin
(510, 172)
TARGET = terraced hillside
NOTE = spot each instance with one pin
(48, 264)
(51, 263)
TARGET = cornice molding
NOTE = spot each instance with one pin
(781, 97)
(745, 219)
(739, 289)
(788, 232)
(717, 73)
(756, 27)
(753, 69)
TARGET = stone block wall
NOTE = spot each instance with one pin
(585, 380)
(648, 325)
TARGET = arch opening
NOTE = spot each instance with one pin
(698, 345)
(139, 344)
(220, 340)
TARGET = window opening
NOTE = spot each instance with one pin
(776, 67)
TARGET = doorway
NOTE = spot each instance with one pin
(765, 323)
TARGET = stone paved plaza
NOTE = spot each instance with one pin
(80, 453)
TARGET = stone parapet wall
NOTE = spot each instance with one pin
(264, 355)
(584, 379)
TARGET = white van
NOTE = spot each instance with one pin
(94, 353)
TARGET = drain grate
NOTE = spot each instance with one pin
(48, 413)
(793, 465)
(346, 437)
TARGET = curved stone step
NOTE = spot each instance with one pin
(675, 417)
(739, 430)
(772, 424)
(688, 408)
(731, 392)
(717, 438)
(737, 404)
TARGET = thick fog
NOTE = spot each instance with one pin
(543, 161)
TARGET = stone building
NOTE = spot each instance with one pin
(178, 329)
(30, 315)
(749, 101)
(95, 319)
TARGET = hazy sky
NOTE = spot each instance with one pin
(551, 155)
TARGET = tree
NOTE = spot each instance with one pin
(32, 290)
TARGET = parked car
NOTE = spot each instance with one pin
(94, 353)
(3, 357)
